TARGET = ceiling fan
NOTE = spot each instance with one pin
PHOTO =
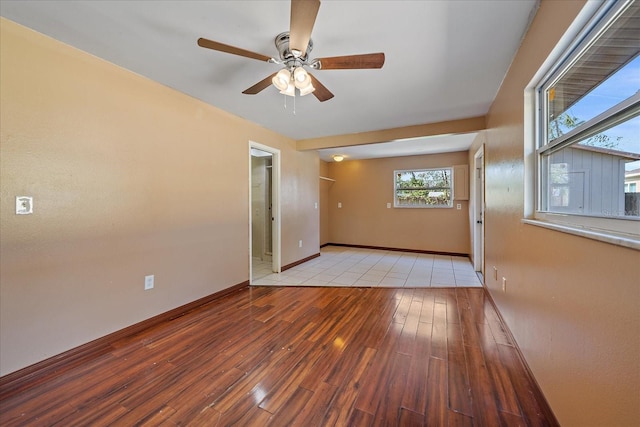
(293, 49)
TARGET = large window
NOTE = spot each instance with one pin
(589, 125)
(423, 188)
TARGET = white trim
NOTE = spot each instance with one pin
(478, 211)
(531, 183)
(619, 113)
(581, 33)
(591, 12)
(276, 208)
(608, 237)
(395, 189)
(625, 225)
(532, 128)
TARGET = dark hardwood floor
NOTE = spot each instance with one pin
(303, 356)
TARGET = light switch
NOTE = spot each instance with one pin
(339, 204)
(388, 205)
(24, 205)
(148, 282)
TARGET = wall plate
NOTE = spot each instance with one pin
(24, 205)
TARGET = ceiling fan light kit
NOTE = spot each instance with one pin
(290, 90)
(287, 82)
(306, 90)
(293, 49)
(302, 79)
(281, 79)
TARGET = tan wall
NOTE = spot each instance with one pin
(364, 187)
(571, 302)
(325, 186)
(129, 178)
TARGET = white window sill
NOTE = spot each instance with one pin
(423, 207)
(589, 233)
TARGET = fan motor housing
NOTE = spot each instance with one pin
(282, 44)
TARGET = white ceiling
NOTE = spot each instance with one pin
(405, 147)
(445, 59)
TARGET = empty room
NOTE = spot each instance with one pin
(348, 213)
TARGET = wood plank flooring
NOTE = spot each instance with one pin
(303, 357)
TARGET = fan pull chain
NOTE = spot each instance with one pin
(294, 104)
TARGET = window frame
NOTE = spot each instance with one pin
(617, 114)
(451, 195)
(618, 230)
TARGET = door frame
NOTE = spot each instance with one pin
(275, 206)
(478, 210)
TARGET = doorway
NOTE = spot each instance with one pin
(478, 210)
(264, 212)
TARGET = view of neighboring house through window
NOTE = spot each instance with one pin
(423, 188)
(589, 144)
(632, 181)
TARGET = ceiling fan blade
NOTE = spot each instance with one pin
(260, 86)
(221, 47)
(320, 92)
(351, 62)
(303, 16)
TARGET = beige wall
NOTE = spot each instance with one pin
(129, 178)
(364, 187)
(571, 302)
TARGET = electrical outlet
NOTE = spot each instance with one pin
(459, 206)
(339, 204)
(504, 284)
(388, 205)
(148, 282)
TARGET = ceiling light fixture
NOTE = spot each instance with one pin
(338, 157)
(281, 79)
(287, 81)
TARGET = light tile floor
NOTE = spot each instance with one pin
(347, 267)
(261, 268)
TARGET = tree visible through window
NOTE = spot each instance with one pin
(423, 188)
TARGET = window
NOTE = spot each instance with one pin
(423, 188)
(589, 126)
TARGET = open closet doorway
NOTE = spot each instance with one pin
(264, 211)
(478, 209)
